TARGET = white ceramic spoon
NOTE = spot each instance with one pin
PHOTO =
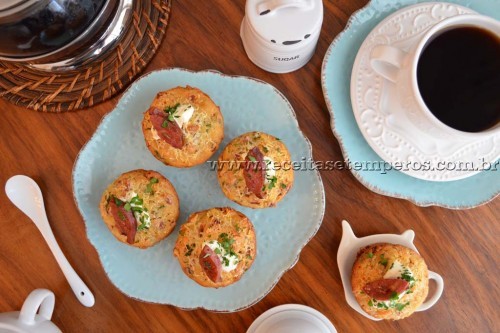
(26, 195)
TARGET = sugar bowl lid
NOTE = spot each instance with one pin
(285, 22)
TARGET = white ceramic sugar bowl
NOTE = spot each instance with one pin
(280, 36)
(34, 316)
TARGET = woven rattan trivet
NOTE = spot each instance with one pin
(95, 82)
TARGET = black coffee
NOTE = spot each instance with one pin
(458, 76)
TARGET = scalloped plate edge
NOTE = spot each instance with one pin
(289, 265)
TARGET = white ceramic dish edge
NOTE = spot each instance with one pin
(254, 327)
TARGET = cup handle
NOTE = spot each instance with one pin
(387, 61)
(437, 294)
(39, 300)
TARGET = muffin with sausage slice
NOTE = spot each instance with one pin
(140, 208)
(389, 281)
(216, 246)
(254, 170)
(183, 127)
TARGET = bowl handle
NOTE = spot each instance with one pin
(437, 294)
(347, 233)
(42, 299)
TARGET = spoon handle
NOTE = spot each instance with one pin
(27, 196)
(80, 289)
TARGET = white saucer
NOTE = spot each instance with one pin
(383, 121)
(292, 318)
(346, 256)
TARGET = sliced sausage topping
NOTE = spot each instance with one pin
(385, 289)
(255, 172)
(125, 220)
(211, 264)
(167, 130)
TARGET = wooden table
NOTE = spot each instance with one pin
(461, 245)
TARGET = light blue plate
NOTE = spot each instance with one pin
(154, 275)
(336, 77)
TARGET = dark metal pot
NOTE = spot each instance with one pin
(33, 29)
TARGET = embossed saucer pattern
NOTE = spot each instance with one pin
(335, 80)
(390, 128)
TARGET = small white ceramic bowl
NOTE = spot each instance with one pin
(292, 318)
(348, 249)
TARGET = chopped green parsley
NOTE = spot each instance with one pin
(171, 110)
(149, 187)
(406, 275)
(223, 247)
(226, 243)
(400, 306)
(272, 182)
(391, 304)
(136, 206)
(118, 202)
(383, 261)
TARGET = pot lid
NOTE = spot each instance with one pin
(285, 22)
(13, 10)
(6, 4)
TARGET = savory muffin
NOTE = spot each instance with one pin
(216, 246)
(140, 208)
(254, 170)
(389, 281)
(183, 127)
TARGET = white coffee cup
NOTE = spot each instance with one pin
(400, 67)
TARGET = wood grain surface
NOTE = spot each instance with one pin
(461, 245)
